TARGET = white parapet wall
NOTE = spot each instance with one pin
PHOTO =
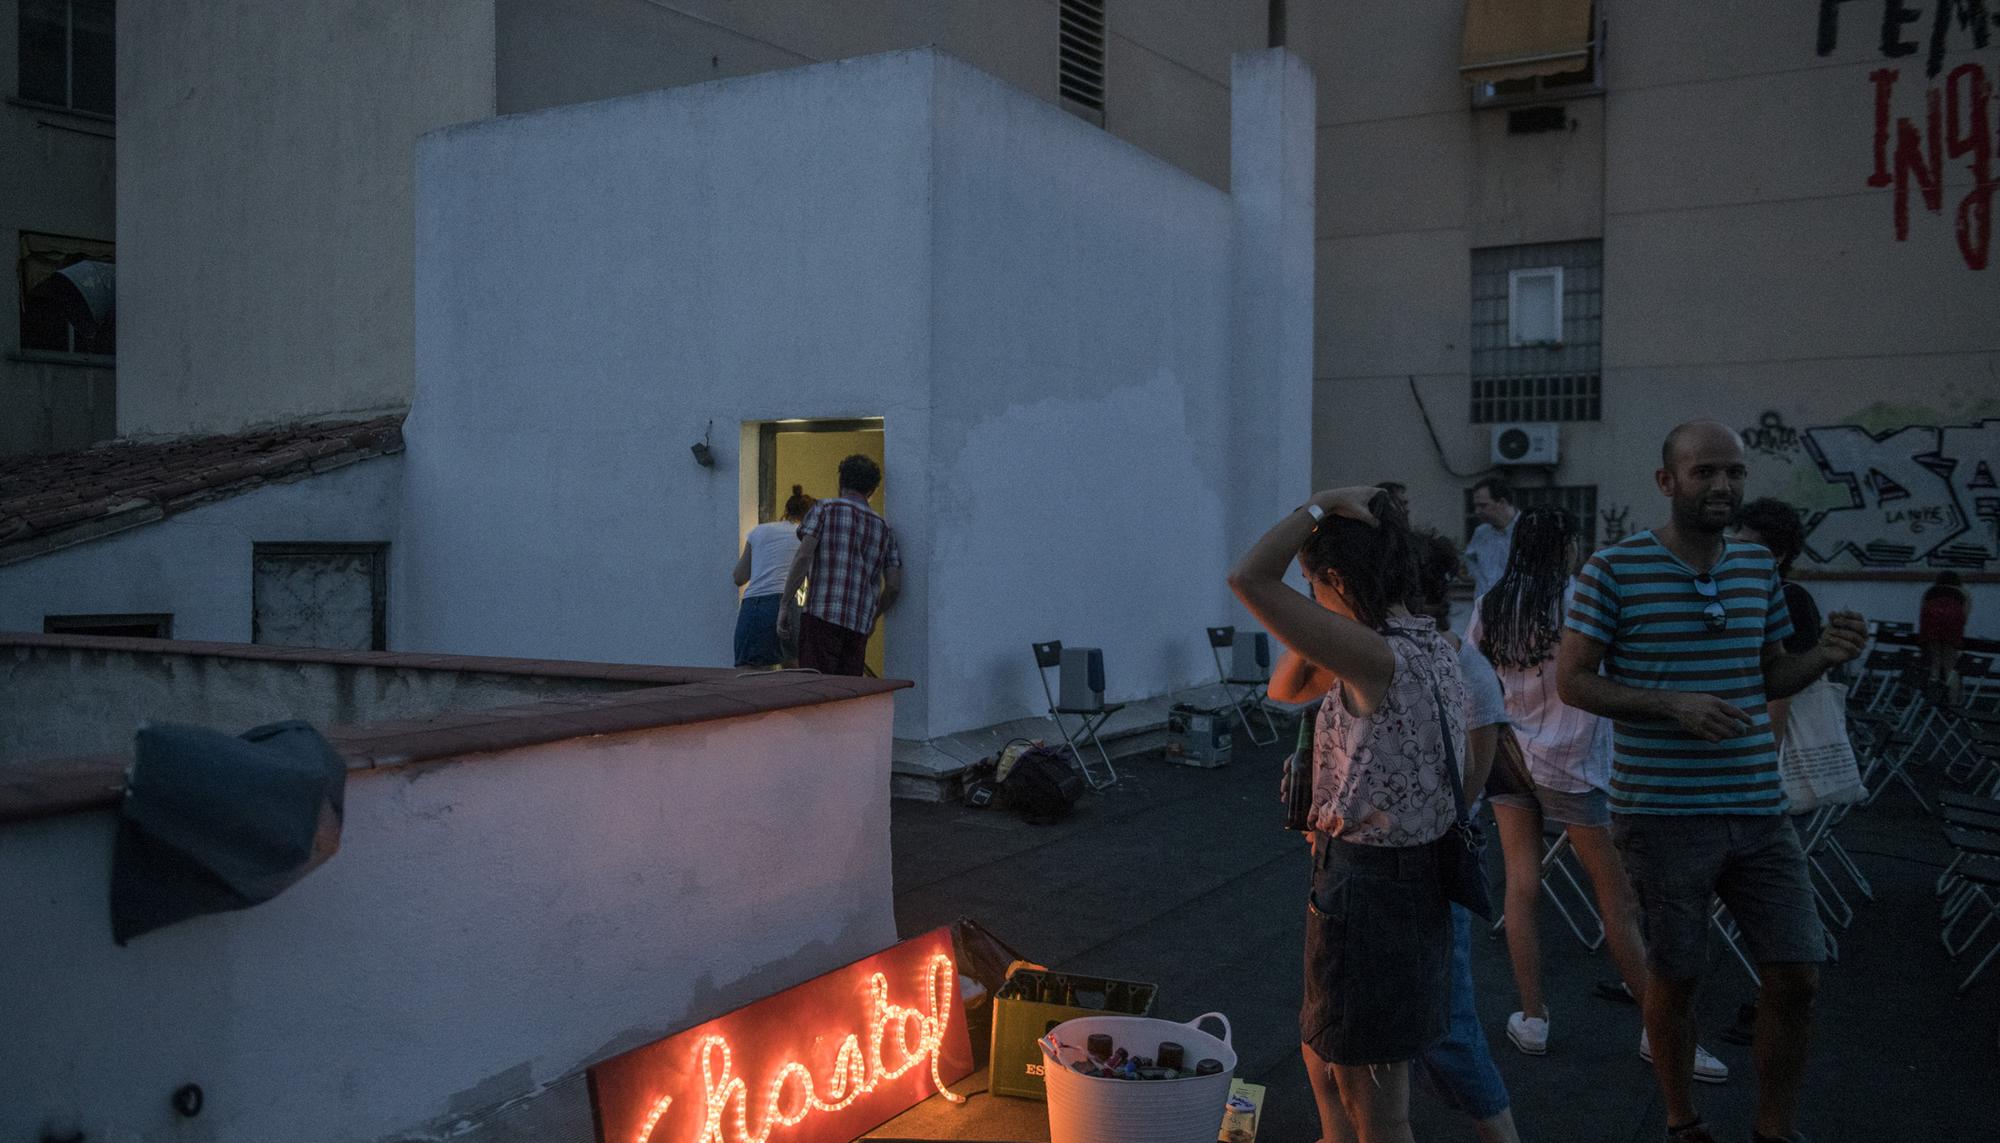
(491, 924)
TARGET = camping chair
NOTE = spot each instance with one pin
(1090, 717)
(1555, 861)
(1246, 691)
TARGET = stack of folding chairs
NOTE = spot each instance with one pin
(1895, 726)
(1969, 748)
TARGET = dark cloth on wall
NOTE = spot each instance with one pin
(211, 822)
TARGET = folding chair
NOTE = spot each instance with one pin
(1814, 833)
(1555, 861)
(1091, 717)
(1725, 926)
(1977, 894)
(1893, 751)
(1245, 691)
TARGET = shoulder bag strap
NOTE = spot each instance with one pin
(1450, 747)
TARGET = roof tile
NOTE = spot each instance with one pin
(44, 495)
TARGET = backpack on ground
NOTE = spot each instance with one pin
(1042, 785)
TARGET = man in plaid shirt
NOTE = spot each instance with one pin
(844, 548)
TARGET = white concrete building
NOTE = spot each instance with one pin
(1039, 315)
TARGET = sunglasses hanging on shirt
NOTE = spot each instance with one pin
(1715, 615)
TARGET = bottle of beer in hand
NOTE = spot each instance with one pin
(1299, 776)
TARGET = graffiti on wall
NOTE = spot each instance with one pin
(1920, 495)
(1772, 437)
(1617, 523)
(1956, 122)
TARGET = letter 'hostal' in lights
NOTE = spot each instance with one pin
(821, 1062)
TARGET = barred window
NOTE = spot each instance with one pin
(1519, 373)
(1579, 499)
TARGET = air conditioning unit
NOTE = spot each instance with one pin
(1524, 444)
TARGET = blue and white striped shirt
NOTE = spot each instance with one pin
(1644, 604)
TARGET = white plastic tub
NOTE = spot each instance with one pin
(1088, 1109)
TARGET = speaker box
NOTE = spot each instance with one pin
(1082, 679)
(1252, 656)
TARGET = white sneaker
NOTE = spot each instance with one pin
(1707, 1069)
(1529, 1033)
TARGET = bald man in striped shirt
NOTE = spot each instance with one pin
(1688, 628)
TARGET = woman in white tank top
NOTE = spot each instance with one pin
(760, 572)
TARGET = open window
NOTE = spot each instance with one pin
(69, 295)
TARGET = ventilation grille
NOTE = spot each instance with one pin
(1080, 54)
(1497, 400)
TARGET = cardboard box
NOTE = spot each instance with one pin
(1021, 1016)
(1198, 737)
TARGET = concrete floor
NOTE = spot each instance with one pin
(1183, 877)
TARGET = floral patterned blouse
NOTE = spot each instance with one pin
(1381, 780)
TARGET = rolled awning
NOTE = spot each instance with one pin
(1510, 39)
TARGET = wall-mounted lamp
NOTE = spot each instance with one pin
(188, 1100)
(703, 455)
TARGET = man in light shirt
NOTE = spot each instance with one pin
(1486, 552)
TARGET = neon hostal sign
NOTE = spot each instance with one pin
(821, 1062)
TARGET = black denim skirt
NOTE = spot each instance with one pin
(1378, 954)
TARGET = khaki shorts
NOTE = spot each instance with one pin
(1679, 863)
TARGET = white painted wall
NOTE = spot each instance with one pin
(1080, 359)
(594, 284)
(1040, 313)
(490, 924)
(196, 564)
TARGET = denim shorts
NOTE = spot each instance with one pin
(1680, 862)
(757, 632)
(1378, 954)
(1461, 1066)
(1589, 808)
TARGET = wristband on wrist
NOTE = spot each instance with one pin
(1314, 510)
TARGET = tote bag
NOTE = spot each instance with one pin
(1817, 762)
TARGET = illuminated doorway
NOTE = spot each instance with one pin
(808, 454)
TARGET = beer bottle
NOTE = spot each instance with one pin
(1299, 776)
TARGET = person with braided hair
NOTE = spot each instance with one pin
(1518, 625)
(1378, 926)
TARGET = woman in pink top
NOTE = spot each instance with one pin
(1378, 928)
(1568, 755)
